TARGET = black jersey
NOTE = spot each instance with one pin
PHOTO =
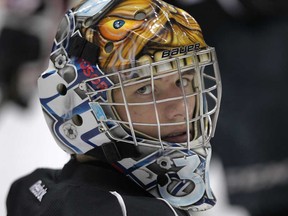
(83, 189)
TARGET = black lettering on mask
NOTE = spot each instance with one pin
(181, 50)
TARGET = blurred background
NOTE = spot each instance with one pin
(27, 29)
(250, 162)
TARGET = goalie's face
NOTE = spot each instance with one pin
(159, 108)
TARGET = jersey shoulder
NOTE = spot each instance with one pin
(45, 193)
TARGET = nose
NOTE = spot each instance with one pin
(177, 109)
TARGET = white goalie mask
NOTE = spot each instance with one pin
(132, 83)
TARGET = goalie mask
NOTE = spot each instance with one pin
(132, 83)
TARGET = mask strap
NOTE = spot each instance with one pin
(81, 48)
(114, 151)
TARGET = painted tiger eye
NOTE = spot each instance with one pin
(118, 24)
(115, 29)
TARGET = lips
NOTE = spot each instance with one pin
(177, 137)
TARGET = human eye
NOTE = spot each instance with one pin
(185, 82)
(144, 90)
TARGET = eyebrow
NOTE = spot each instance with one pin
(142, 80)
(187, 72)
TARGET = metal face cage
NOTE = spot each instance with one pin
(135, 108)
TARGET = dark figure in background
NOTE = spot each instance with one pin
(254, 131)
(25, 36)
(251, 137)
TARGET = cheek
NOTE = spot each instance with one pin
(144, 114)
(141, 114)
